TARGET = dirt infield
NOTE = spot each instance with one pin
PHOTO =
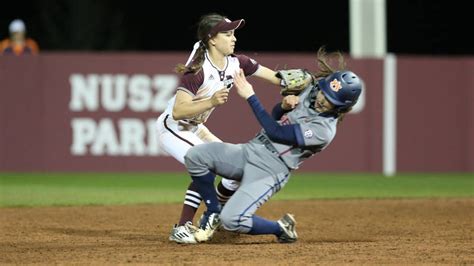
(417, 231)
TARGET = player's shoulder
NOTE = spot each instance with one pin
(322, 121)
(243, 59)
(324, 126)
(192, 77)
(238, 56)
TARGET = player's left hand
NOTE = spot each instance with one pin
(294, 81)
(289, 102)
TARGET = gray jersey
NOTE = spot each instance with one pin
(318, 131)
(262, 166)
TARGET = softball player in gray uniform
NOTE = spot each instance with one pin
(264, 164)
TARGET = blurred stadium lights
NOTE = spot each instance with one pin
(367, 29)
(368, 38)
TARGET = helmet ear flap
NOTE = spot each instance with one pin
(343, 109)
(346, 108)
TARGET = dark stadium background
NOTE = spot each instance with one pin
(426, 27)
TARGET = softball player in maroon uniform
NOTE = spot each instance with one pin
(205, 83)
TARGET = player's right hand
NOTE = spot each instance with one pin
(220, 97)
(244, 88)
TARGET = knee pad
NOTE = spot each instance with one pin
(230, 184)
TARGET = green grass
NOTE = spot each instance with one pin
(65, 189)
(318, 186)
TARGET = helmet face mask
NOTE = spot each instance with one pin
(341, 88)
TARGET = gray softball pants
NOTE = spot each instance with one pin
(261, 173)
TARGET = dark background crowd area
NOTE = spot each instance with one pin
(422, 27)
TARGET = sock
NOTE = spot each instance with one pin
(262, 226)
(192, 200)
(205, 187)
(223, 194)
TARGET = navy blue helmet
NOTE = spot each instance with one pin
(341, 88)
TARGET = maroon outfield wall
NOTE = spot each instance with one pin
(435, 114)
(96, 112)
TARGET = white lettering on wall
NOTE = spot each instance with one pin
(152, 138)
(115, 93)
(132, 137)
(138, 92)
(84, 92)
(105, 140)
(165, 86)
(125, 137)
(83, 131)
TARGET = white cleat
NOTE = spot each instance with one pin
(287, 224)
(209, 225)
(183, 234)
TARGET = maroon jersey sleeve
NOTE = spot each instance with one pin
(190, 82)
(249, 65)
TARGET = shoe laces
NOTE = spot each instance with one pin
(209, 221)
(190, 227)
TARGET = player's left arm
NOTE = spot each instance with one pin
(287, 104)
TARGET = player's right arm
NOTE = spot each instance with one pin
(184, 106)
(286, 134)
(251, 67)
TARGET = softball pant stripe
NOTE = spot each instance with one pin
(274, 189)
(174, 133)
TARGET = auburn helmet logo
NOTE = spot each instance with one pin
(335, 85)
